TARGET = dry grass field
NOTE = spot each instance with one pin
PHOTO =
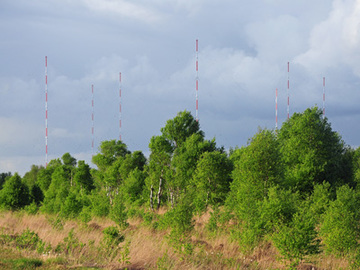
(143, 247)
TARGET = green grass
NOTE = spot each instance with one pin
(12, 259)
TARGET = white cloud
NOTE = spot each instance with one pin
(19, 136)
(244, 48)
(277, 38)
(124, 8)
(336, 40)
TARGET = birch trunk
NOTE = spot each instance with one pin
(151, 198)
(159, 193)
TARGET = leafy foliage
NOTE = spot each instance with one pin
(297, 239)
(118, 212)
(15, 194)
(312, 152)
(296, 188)
(340, 229)
(212, 178)
(3, 177)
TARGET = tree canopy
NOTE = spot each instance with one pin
(295, 187)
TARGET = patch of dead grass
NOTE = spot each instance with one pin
(149, 248)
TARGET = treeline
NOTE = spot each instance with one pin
(296, 187)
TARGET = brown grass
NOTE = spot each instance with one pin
(150, 248)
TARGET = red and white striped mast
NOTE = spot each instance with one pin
(276, 110)
(46, 114)
(288, 88)
(197, 80)
(120, 106)
(92, 119)
(323, 97)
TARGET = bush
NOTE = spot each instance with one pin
(28, 240)
(340, 228)
(100, 204)
(298, 239)
(112, 237)
(118, 212)
(70, 244)
(31, 209)
(85, 214)
(71, 207)
(110, 242)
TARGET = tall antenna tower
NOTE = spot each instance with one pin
(46, 114)
(120, 106)
(92, 119)
(323, 97)
(276, 110)
(288, 88)
(197, 80)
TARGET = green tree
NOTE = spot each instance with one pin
(108, 161)
(168, 165)
(30, 178)
(356, 166)
(69, 164)
(44, 178)
(158, 167)
(3, 177)
(312, 153)
(257, 167)
(278, 208)
(340, 229)
(109, 152)
(15, 193)
(83, 177)
(133, 185)
(57, 192)
(319, 200)
(44, 175)
(298, 239)
(100, 203)
(183, 164)
(72, 206)
(178, 129)
(118, 212)
(36, 194)
(212, 178)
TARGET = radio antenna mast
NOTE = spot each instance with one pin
(46, 114)
(197, 80)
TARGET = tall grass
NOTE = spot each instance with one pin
(75, 244)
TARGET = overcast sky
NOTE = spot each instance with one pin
(244, 47)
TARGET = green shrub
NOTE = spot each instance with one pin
(28, 240)
(85, 214)
(340, 228)
(298, 239)
(112, 237)
(118, 212)
(109, 244)
(100, 204)
(212, 225)
(32, 208)
(70, 244)
(71, 207)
